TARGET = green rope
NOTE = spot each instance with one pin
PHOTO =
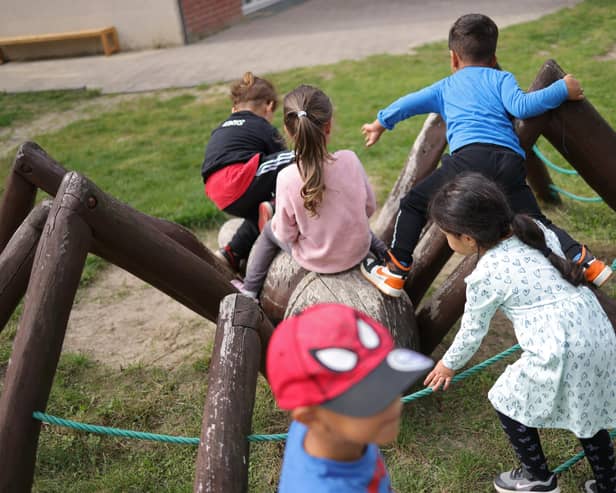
(140, 435)
(107, 430)
(573, 196)
(550, 164)
(576, 458)
(564, 171)
(465, 374)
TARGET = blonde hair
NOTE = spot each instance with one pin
(307, 110)
(254, 90)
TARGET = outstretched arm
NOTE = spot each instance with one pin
(522, 104)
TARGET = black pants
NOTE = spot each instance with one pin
(599, 452)
(261, 189)
(501, 165)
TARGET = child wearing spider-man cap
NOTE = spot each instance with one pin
(338, 372)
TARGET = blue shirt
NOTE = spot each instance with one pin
(303, 473)
(476, 104)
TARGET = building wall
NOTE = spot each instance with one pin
(141, 24)
(203, 17)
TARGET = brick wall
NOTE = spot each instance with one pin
(203, 17)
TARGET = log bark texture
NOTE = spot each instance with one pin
(430, 255)
(17, 258)
(438, 314)
(37, 168)
(222, 460)
(58, 264)
(422, 160)
(350, 288)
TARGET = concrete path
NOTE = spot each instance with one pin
(307, 33)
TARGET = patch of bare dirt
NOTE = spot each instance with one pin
(122, 321)
(610, 55)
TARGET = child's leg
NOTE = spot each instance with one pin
(377, 246)
(599, 452)
(412, 216)
(265, 249)
(527, 446)
(261, 189)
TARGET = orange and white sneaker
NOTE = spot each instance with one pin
(266, 212)
(388, 276)
(595, 270)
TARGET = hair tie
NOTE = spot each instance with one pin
(546, 251)
(301, 113)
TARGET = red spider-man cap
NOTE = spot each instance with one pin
(333, 356)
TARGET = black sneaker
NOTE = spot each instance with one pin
(519, 480)
(590, 486)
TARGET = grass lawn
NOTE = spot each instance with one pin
(147, 152)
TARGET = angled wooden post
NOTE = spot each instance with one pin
(436, 317)
(18, 198)
(58, 264)
(429, 257)
(585, 140)
(528, 132)
(222, 459)
(17, 258)
(35, 167)
(422, 160)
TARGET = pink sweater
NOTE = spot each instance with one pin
(339, 237)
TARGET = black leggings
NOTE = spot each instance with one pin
(500, 164)
(261, 189)
(599, 452)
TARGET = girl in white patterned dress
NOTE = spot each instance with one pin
(566, 375)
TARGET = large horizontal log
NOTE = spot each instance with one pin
(351, 289)
(17, 258)
(222, 459)
(422, 160)
(58, 264)
(282, 278)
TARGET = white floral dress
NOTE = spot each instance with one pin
(566, 375)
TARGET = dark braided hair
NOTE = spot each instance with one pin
(475, 206)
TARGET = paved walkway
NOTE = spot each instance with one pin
(307, 33)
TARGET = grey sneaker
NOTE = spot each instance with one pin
(590, 486)
(519, 480)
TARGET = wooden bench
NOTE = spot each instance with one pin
(108, 35)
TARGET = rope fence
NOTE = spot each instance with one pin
(563, 171)
(139, 435)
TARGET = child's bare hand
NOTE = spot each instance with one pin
(440, 376)
(574, 88)
(372, 132)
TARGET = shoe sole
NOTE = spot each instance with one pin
(380, 285)
(603, 277)
(503, 490)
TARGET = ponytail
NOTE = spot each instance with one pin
(530, 233)
(307, 111)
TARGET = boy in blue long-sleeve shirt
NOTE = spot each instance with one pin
(476, 102)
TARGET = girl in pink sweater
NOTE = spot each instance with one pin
(322, 203)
